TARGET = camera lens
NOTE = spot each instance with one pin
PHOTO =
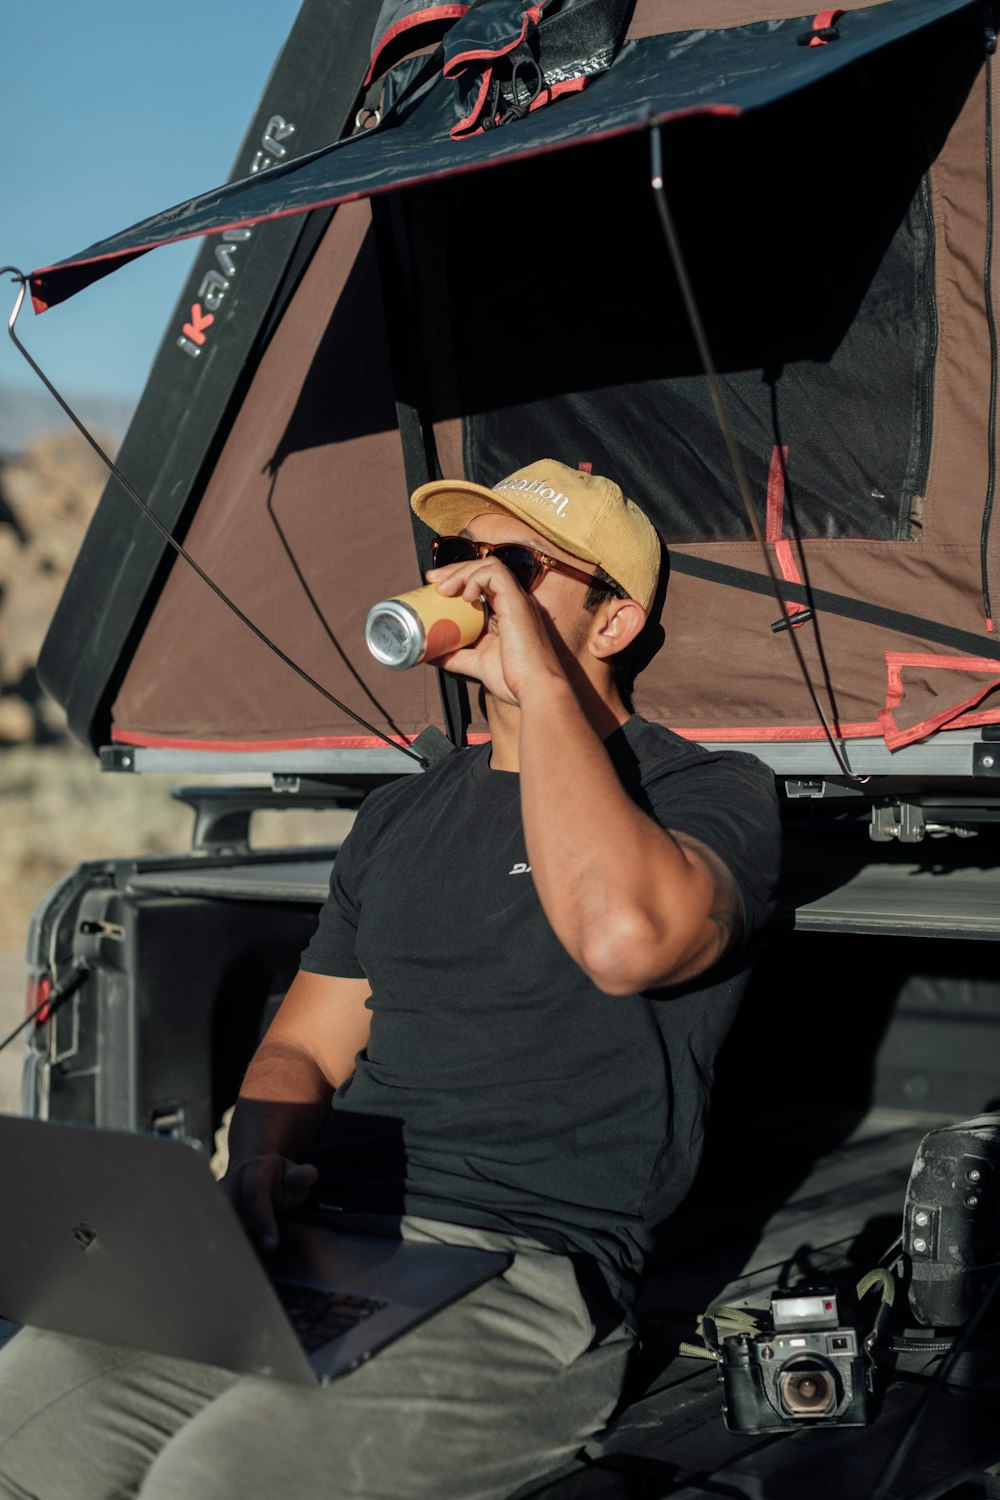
(807, 1389)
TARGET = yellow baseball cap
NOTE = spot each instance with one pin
(585, 514)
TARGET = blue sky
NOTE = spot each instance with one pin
(115, 110)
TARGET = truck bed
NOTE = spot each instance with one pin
(854, 1040)
(843, 1213)
(670, 1439)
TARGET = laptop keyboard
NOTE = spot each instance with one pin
(319, 1316)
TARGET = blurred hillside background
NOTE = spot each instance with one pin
(118, 111)
(56, 807)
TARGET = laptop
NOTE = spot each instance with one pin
(128, 1239)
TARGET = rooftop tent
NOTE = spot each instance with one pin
(832, 183)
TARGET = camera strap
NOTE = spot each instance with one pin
(929, 1343)
(723, 1319)
(883, 1277)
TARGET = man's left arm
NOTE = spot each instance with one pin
(636, 906)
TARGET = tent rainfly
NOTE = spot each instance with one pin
(481, 279)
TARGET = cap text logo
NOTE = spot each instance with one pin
(536, 491)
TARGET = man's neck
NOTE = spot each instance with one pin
(604, 713)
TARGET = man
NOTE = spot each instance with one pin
(513, 1001)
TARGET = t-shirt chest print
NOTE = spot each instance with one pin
(481, 885)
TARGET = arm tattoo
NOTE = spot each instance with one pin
(726, 909)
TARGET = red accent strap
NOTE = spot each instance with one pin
(789, 570)
(774, 522)
(556, 90)
(407, 23)
(586, 467)
(775, 495)
(823, 20)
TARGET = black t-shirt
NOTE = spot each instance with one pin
(500, 1087)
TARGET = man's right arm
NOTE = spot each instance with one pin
(308, 1051)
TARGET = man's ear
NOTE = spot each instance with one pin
(617, 622)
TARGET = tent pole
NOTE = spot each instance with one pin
(420, 463)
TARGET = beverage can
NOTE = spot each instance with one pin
(421, 625)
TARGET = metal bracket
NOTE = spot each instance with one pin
(922, 1224)
(168, 1120)
(117, 758)
(986, 760)
(900, 820)
(798, 786)
(795, 789)
(222, 814)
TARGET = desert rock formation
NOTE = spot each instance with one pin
(47, 497)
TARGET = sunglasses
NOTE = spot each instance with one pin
(526, 564)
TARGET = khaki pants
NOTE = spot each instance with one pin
(481, 1401)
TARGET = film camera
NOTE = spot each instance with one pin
(805, 1370)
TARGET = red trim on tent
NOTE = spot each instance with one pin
(779, 733)
(418, 18)
(567, 86)
(758, 734)
(454, 66)
(320, 742)
(791, 733)
(461, 128)
(895, 661)
(956, 716)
